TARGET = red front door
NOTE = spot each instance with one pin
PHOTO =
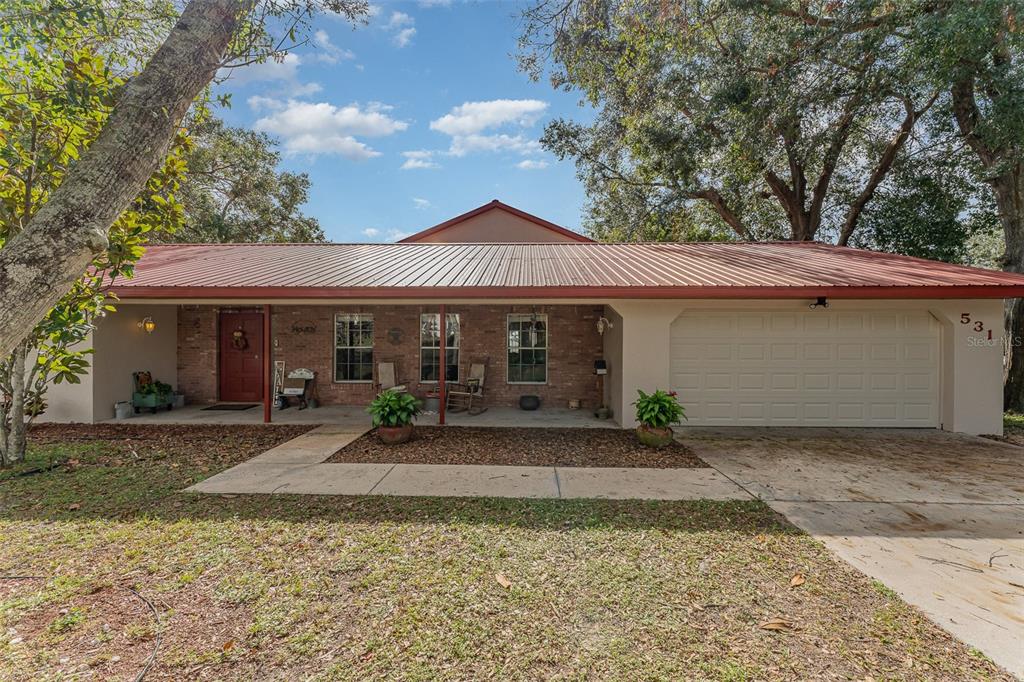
(241, 353)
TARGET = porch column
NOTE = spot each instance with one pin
(268, 364)
(444, 365)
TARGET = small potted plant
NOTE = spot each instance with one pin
(656, 413)
(392, 413)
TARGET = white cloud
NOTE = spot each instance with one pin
(421, 203)
(323, 128)
(391, 235)
(401, 26)
(261, 103)
(284, 71)
(435, 3)
(518, 144)
(329, 52)
(404, 37)
(532, 164)
(371, 232)
(396, 235)
(304, 89)
(418, 159)
(398, 20)
(473, 117)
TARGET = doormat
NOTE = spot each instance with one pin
(231, 407)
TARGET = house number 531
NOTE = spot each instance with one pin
(977, 325)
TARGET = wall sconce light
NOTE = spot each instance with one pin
(147, 324)
(822, 302)
(603, 324)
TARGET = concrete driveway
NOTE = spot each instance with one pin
(937, 517)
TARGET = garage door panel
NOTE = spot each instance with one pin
(855, 368)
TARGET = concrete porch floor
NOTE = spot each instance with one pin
(356, 416)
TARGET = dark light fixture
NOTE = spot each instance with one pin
(822, 302)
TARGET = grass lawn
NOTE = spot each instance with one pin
(1013, 429)
(296, 587)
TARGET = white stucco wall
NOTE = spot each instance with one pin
(120, 348)
(69, 403)
(971, 364)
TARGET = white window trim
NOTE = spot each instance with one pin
(335, 347)
(441, 349)
(545, 348)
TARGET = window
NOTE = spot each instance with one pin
(527, 349)
(353, 348)
(430, 352)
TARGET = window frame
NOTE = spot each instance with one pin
(520, 317)
(441, 351)
(351, 317)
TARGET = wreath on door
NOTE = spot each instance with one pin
(238, 339)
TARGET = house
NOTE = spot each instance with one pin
(794, 334)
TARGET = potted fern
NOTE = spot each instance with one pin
(392, 413)
(656, 413)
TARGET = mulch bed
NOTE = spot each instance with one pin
(518, 447)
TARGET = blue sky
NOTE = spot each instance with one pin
(412, 119)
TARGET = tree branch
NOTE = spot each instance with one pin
(882, 167)
(40, 265)
(717, 201)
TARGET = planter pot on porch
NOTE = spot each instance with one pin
(653, 436)
(393, 435)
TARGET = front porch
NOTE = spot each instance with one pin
(353, 416)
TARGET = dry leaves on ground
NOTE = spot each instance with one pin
(572, 447)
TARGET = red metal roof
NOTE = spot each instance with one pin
(566, 270)
(495, 205)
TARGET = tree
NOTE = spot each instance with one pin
(43, 57)
(930, 206)
(40, 264)
(975, 50)
(234, 192)
(753, 109)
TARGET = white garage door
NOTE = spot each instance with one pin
(807, 368)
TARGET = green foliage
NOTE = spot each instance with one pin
(234, 193)
(64, 65)
(658, 409)
(746, 108)
(157, 388)
(394, 408)
(931, 209)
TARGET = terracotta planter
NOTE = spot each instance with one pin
(654, 437)
(392, 435)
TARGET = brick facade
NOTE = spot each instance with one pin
(303, 336)
(197, 353)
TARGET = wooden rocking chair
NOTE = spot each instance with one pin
(387, 378)
(468, 396)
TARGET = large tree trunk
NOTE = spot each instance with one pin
(12, 448)
(39, 265)
(1009, 194)
(1006, 178)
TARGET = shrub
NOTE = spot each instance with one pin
(658, 409)
(393, 408)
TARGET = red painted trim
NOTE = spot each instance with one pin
(576, 236)
(540, 292)
(267, 366)
(442, 378)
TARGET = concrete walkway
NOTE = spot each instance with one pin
(297, 467)
(938, 517)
